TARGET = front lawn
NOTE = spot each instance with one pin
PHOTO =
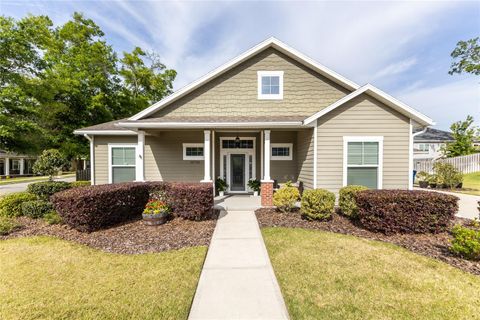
(471, 181)
(48, 278)
(325, 275)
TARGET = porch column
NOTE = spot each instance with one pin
(206, 155)
(7, 166)
(140, 162)
(266, 189)
(22, 166)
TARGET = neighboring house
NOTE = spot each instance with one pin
(12, 164)
(272, 114)
(428, 143)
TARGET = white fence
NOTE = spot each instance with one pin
(466, 164)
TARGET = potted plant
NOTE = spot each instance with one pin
(221, 186)
(254, 184)
(432, 181)
(156, 212)
(422, 178)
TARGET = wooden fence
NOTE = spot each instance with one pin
(465, 164)
(83, 175)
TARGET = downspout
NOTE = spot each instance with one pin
(92, 158)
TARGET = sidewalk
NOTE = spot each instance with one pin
(237, 280)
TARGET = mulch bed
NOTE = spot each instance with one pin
(431, 245)
(129, 238)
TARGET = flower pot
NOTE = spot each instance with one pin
(255, 193)
(459, 186)
(155, 219)
(423, 184)
(432, 185)
(221, 193)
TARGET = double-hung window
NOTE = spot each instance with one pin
(122, 163)
(362, 163)
(270, 85)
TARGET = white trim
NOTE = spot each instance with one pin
(206, 153)
(193, 145)
(106, 132)
(281, 145)
(119, 145)
(315, 155)
(140, 159)
(260, 75)
(379, 139)
(261, 153)
(271, 42)
(261, 125)
(410, 156)
(266, 150)
(92, 158)
(245, 151)
(22, 166)
(7, 166)
(382, 97)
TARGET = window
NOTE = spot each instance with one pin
(122, 163)
(14, 166)
(422, 147)
(281, 151)
(363, 157)
(193, 151)
(237, 144)
(270, 85)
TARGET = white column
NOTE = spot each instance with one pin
(266, 156)
(22, 166)
(315, 155)
(140, 162)
(7, 166)
(410, 156)
(206, 156)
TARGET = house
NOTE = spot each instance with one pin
(12, 164)
(428, 143)
(272, 114)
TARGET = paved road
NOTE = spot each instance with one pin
(467, 205)
(22, 186)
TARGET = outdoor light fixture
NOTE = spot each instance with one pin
(237, 142)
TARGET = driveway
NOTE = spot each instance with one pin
(22, 186)
(467, 205)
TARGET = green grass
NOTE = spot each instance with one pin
(31, 179)
(472, 181)
(48, 278)
(326, 275)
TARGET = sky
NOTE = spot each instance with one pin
(402, 48)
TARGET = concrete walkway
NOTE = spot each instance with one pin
(237, 280)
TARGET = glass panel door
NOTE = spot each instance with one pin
(237, 168)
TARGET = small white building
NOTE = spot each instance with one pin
(12, 164)
(428, 145)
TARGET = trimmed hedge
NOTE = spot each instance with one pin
(43, 190)
(404, 211)
(285, 198)
(317, 204)
(92, 208)
(36, 208)
(76, 184)
(11, 204)
(346, 200)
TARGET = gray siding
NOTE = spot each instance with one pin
(305, 157)
(284, 170)
(363, 116)
(101, 154)
(235, 92)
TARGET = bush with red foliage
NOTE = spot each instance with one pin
(403, 211)
(95, 207)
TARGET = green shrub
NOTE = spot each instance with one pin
(466, 242)
(423, 176)
(36, 208)
(317, 204)
(11, 204)
(43, 190)
(52, 217)
(49, 163)
(76, 184)
(285, 198)
(447, 175)
(7, 225)
(346, 200)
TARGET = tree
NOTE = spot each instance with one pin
(464, 134)
(49, 163)
(466, 57)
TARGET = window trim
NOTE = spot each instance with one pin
(379, 139)
(418, 150)
(193, 145)
(262, 96)
(281, 145)
(110, 165)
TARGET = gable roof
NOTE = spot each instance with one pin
(434, 135)
(269, 43)
(382, 97)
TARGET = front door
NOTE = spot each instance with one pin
(237, 172)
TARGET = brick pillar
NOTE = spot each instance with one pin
(266, 192)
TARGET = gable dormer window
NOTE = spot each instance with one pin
(270, 85)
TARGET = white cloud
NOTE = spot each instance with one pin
(395, 68)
